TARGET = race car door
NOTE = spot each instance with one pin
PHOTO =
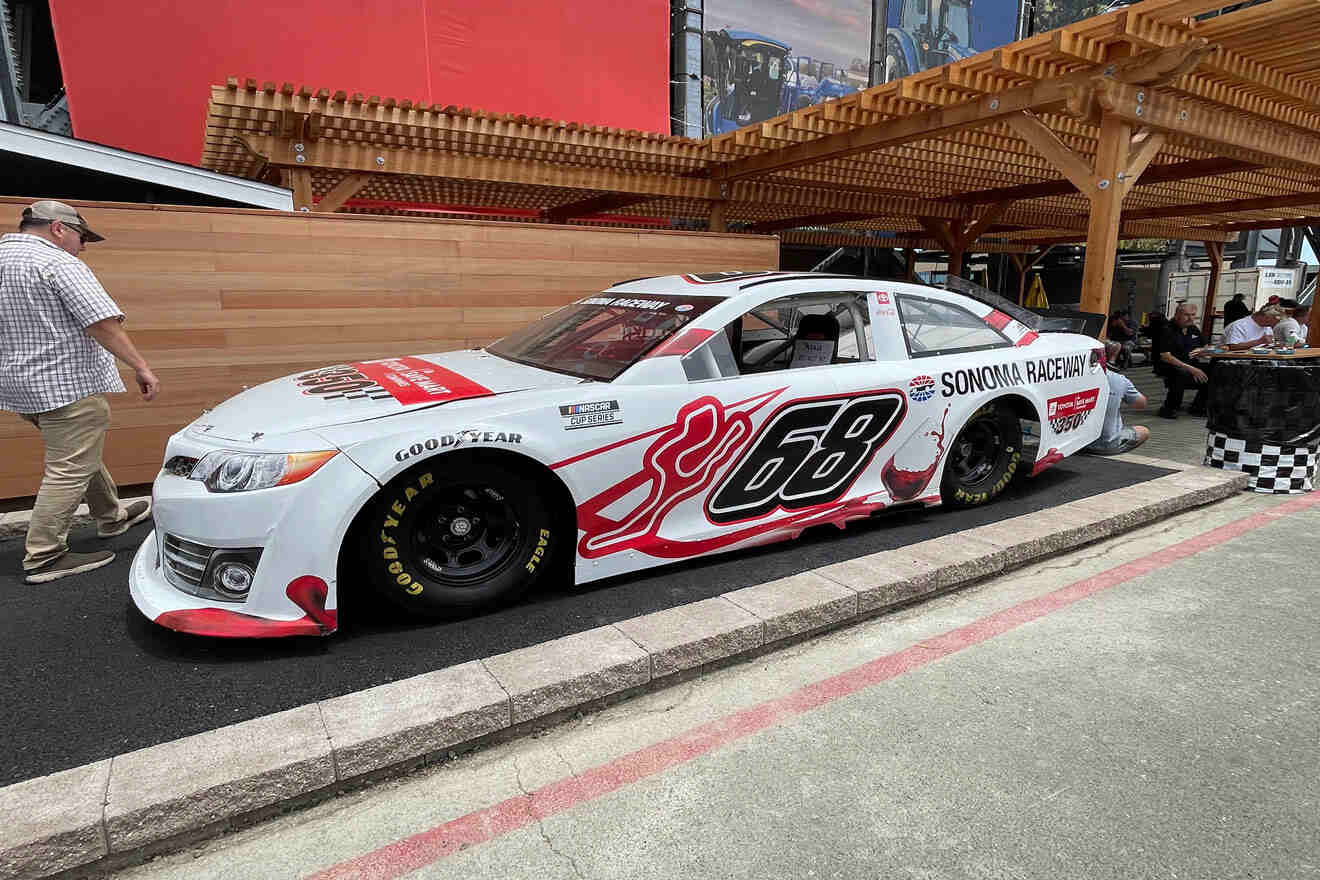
(777, 428)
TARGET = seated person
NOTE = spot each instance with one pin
(1121, 331)
(1174, 364)
(1292, 330)
(1255, 329)
(1114, 437)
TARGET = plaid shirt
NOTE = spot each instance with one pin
(47, 297)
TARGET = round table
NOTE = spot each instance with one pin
(1264, 417)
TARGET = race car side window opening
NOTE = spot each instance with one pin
(932, 327)
(793, 332)
(601, 336)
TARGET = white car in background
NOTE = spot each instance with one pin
(663, 419)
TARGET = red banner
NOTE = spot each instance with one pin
(413, 380)
(1072, 404)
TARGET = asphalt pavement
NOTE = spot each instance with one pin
(90, 678)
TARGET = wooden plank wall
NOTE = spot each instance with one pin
(217, 299)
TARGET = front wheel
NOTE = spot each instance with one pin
(983, 459)
(450, 538)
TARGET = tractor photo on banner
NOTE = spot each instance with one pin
(922, 34)
(761, 58)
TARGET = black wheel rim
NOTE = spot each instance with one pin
(976, 452)
(465, 535)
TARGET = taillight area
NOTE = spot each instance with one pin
(1098, 359)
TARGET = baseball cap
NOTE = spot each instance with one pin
(52, 210)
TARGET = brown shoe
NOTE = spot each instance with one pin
(69, 563)
(133, 514)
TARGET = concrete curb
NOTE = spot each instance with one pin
(15, 523)
(113, 812)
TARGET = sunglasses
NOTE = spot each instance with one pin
(82, 234)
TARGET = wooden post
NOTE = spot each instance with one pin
(300, 181)
(910, 264)
(1111, 157)
(1025, 266)
(956, 261)
(1020, 265)
(1215, 251)
(718, 209)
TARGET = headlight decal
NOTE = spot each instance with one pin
(227, 471)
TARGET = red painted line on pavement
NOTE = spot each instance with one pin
(411, 853)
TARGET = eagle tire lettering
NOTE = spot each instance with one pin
(809, 453)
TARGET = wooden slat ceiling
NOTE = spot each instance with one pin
(1234, 100)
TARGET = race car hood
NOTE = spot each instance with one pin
(356, 392)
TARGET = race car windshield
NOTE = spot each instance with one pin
(600, 337)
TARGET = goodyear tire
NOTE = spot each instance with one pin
(453, 537)
(983, 458)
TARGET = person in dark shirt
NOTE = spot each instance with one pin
(1120, 331)
(1174, 364)
(1235, 309)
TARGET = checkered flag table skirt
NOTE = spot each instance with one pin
(1272, 470)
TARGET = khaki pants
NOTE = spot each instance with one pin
(75, 438)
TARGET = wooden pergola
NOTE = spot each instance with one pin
(1145, 122)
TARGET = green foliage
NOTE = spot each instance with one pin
(1051, 14)
(1146, 245)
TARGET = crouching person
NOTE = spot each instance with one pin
(1114, 437)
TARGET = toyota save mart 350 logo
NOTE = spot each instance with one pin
(921, 388)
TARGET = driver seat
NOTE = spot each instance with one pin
(816, 342)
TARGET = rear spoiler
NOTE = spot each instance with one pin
(1048, 320)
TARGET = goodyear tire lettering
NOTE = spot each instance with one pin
(389, 545)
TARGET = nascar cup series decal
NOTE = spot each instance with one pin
(590, 415)
(1069, 412)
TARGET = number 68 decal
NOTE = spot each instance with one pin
(808, 453)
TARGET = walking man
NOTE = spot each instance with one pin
(59, 336)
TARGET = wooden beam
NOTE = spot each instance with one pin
(594, 205)
(808, 220)
(940, 230)
(1215, 251)
(1026, 265)
(1054, 92)
(1231, 207)
(909, 264)
(974, 230)
(1251, 138)
(341, 192)
(1170, 173)
(1275, 223)
(466, 166)
(1106, 206)
(1047, 143)
(1146, 144)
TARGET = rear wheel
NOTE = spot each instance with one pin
(458, 535)
(983, 458)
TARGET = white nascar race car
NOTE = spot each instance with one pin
(664, 419)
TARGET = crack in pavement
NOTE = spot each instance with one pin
(540, 823)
